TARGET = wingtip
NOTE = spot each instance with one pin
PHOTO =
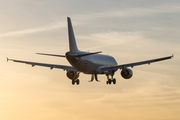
(7, 59)
(172, 55)
(40, 53)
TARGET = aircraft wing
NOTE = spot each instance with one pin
(51, 66)
(135, 64)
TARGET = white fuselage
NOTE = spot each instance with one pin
(91, 63)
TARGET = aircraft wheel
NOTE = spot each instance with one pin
(114, 81)
(109, 81)
(77, 81)
(73, 82)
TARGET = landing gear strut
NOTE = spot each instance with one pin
(112, 80)
(94, 76)
(75, 81)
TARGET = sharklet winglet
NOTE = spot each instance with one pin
(7, 59)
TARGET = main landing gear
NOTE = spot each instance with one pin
(109, 80)
(74, 77)
(75, 81)
(112, 80)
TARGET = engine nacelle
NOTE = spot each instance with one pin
(126, 73)
(72, 75)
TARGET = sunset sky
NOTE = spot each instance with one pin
(128, 30)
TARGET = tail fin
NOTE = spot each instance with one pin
(72, 40)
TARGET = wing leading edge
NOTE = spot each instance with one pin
(51, 66)
(136, 63)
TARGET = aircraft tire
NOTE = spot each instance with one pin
(109, 81)
(114, 81)
(77, 81)
(73, 82)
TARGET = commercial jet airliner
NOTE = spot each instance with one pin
(90, 63)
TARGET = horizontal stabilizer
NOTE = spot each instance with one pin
(82, 55)
(51, 54)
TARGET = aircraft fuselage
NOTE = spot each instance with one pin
(90, 64)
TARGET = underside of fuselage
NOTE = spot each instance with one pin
(90, 63)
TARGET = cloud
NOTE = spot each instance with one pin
(115, 38)
(131, 12)
(151, 94)
(34, 30)
(105, 14)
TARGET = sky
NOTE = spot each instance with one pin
(128, 30)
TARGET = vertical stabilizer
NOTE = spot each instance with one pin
(72, 40)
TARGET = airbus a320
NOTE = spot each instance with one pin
(90, 63)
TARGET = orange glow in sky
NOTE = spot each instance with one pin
(127, 30)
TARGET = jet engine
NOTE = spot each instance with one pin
(126, 73)
(72, 75)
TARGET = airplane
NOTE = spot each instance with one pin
(91, 63)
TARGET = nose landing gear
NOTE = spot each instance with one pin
(94, 76)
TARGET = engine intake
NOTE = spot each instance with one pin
(126, 73)
(72, 75)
